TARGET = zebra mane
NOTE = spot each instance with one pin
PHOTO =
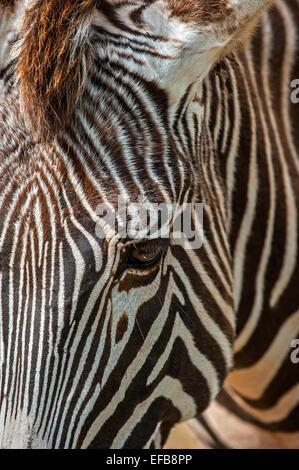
(53, 60)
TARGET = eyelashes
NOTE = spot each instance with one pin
(144, 256)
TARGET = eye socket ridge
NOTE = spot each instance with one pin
(146, 254)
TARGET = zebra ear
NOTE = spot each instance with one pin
(53, 61)
(230, 21)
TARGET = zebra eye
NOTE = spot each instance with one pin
(144, 256)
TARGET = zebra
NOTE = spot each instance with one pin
(110, 342)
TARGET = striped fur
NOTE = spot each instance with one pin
(263, 388)
(93, 352)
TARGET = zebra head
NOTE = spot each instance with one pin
(108, 338)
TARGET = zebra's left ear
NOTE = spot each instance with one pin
(53, 61)
(208, 30)
(224, 23)
(230, 14)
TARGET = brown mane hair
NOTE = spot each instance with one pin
(53, 61)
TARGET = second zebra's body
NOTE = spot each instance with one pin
(253, 124)
(108, 339)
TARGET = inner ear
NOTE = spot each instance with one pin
(226, 19)
(53, 61)
(219, 25)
